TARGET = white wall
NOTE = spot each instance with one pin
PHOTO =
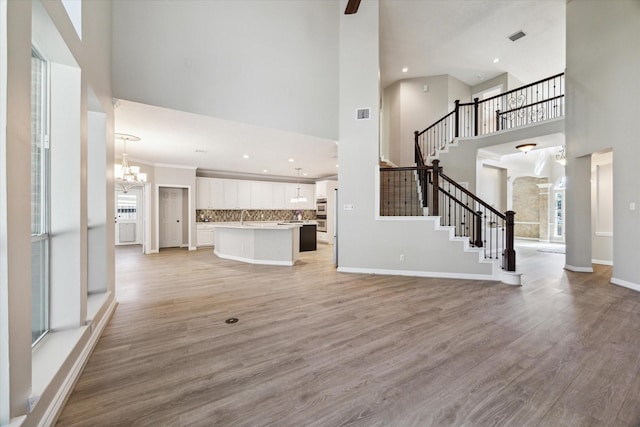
(602, 208)
(408, 107)
(602, 112)
(271, 64)
(365, 242)
(174, 176)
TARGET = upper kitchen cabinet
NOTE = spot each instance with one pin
(202, 193)
(237, 194)
(323, 188)
(209, 193)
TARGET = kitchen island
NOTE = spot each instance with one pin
(258, 243)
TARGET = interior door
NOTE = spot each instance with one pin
(170, 217)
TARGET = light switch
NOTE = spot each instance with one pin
(632, 206)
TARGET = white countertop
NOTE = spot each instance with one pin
(258, 225)
(274, 225)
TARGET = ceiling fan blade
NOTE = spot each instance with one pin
(352, 7)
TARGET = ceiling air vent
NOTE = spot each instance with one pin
(363, 113)
(516, 36)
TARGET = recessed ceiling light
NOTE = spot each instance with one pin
(405, 69)
(337, 166)
(496, 60)
(291, 160)
(245, 156)
(304, 174)
(264, 171)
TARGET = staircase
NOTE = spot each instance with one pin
(425, 189)
(399, 192)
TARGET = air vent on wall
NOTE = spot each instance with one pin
(363, 113)
(517, 36)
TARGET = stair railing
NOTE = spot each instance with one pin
(529, 104)
(474, 218)
(457, 207)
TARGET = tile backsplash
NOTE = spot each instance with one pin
(226, 215)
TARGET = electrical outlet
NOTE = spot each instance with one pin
(401, 257)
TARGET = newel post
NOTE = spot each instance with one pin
(475, 115)
(435, 193)
(416, 148)
(478, 234)
(509, 254)
(457, 119)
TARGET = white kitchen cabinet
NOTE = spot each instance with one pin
(324, 189)
(216, 193)
(230, 194)
(209, 193)
(262, 195)
(204, 236)
(279, 196)
(244, 194)
(202, 193)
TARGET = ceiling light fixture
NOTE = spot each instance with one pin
(128, 176)
(525, 148)
(496, 60)
(291, 160)
(405, 69)
(245, 156)
(561, 157)
(298, 198)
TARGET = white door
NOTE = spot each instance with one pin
(170, 217)
(129, 217)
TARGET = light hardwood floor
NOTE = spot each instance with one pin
(315, 347)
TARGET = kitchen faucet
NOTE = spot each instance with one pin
(242, 216)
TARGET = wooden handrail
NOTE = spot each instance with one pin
(473, 196)
(436, 122)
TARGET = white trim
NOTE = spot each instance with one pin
(527, 222)
(625, 284)
(535, 239)
(54, 409)
(155, 251)
(601, 262)
(193, 248)
(189, 210)
(432, 274)
(578, 269)
(254, 261)
(166, 165)
(604, 233)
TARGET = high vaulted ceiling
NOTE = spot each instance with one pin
(429, 37)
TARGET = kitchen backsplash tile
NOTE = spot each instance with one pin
(226, 215)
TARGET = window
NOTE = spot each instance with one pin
(40, 206)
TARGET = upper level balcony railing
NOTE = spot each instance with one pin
(530, 104)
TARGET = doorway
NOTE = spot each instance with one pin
(129, 217)
(173, 217)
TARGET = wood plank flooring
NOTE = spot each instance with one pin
(314, 347)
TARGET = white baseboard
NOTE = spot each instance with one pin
(432, 274)
(254, 261)
(578, 269)
(625, 284)
(601, 262)
(54, 410)
(192, 248)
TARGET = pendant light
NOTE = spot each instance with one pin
(127, 176)
(298, 198)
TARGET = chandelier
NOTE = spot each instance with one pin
(127, 176)
(298, 198)
(561, 157)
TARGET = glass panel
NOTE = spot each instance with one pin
(39, 289)
(558, 215)
(39, 201)
(127, 206)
